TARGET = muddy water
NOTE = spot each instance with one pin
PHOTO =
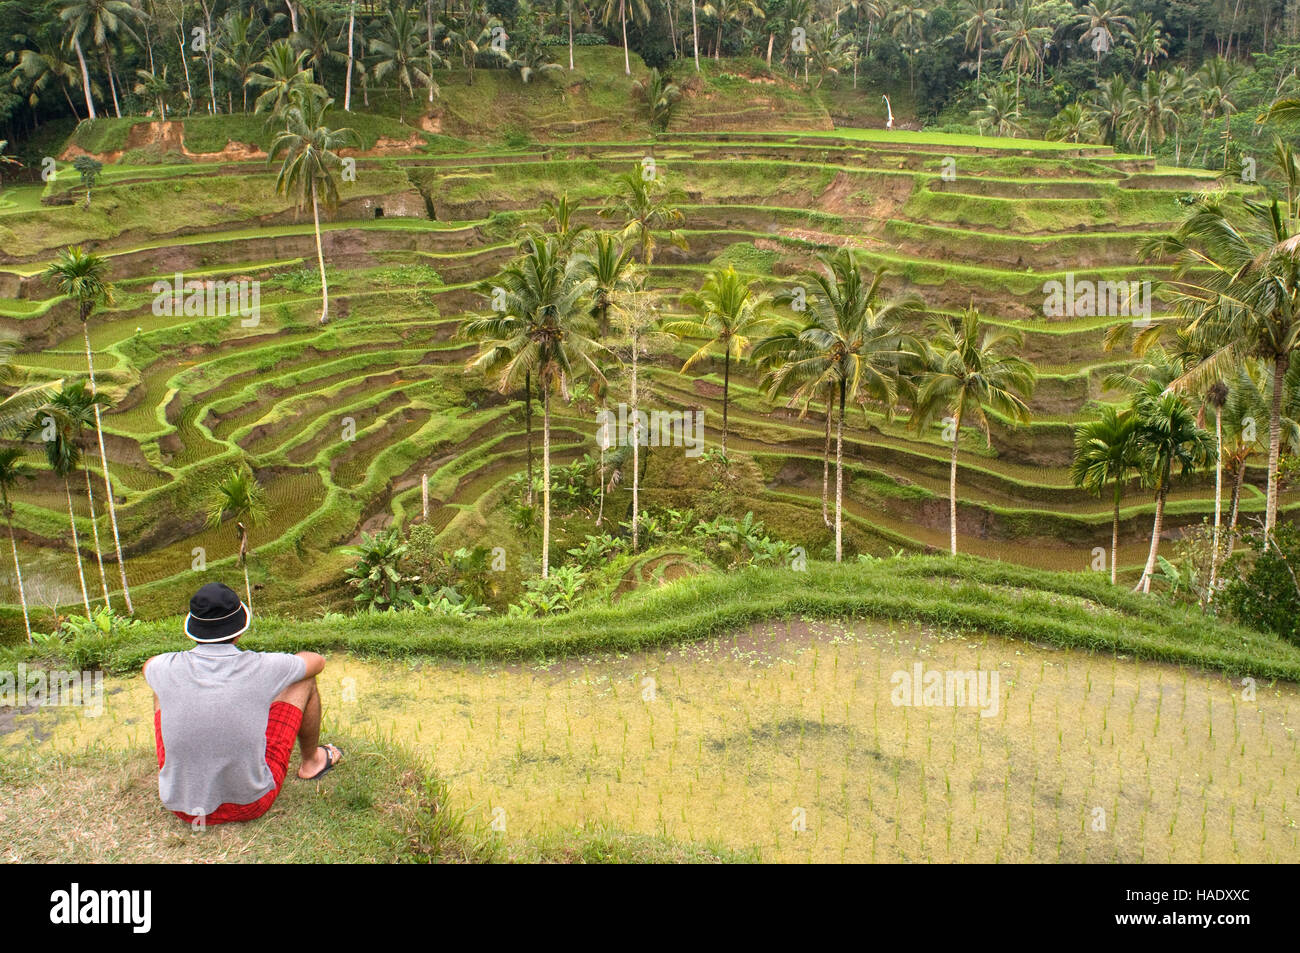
(787, 738)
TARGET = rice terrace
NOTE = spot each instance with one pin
(775, 431)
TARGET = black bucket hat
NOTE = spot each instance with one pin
(216, 614)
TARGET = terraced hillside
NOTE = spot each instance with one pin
(341, 422)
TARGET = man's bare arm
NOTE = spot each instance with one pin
(315, 663)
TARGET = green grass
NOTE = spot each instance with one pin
(1080, 611)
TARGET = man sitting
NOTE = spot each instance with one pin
(225, 720)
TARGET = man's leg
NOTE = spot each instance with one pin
(304, 696)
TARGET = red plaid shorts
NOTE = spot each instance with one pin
(281, 731)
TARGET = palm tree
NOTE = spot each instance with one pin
(1152, 116)
(155, 86)
(238, 49)
(968, 370)
(39, 68)
(83, 277)
(1100, 22)
(100, 23)
(1238, 284)
(608, 262)
(397, 52)
(979, 25)
(730, 11)
(1167, 435)
(1106, 452)
(73, 410)
(999, 112)
(546, 333)
(1218, 77)
(64, 457)
(282, 72)
(647, 206)
(240, 497)
(310, 159)
(1071, 124)
(640, 13)
(1021, 39)
(1110, 106)
(13, 471)
(852, 343)
(728, 313)
(559, 216)
(661, 96)
(1149, 40)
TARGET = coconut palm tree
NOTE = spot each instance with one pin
(83, 277)
(97, 24)
(73, 410)
(237, 45)
(728, 313)
(12, 472)
(1237, 283)
(1073, 124)
(730, 11)
(1149, 40)
(851, 343)
(978, 28)
(546, 332)
(1167, 435)
(969, 369)
(1110, 106)
(47, 65)
(310, 160)
(282, 73)
(609, 263)
(647, 206)
(999, 112)
(397, 54)
(640, 12)
(560, 223)
(238, 496)
(1102, 23)
(1106, 452)
(64, 457)
(1152, 115)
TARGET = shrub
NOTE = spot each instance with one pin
(1262, 590)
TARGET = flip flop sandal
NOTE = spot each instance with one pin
(329, 762)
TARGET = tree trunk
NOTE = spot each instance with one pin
(1145, 582)
(347, 87)
(726, 384)
(320, 257)
(570, 36)
(695, 36)
(243, 564)
(636, 445)
(1238, 479)
(189, 89)
(600, 513)
(839, 478)
(622, 15)
(528, 430)
(76, 548)
(1280, 365)
(826, 463)
(771, 40)
(1218, 502)
(18, 573)
(108, 479)
(85, 79)
(546, 482)
(1114, 536)
(112, 85)
(952, 481)
(94, 529)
